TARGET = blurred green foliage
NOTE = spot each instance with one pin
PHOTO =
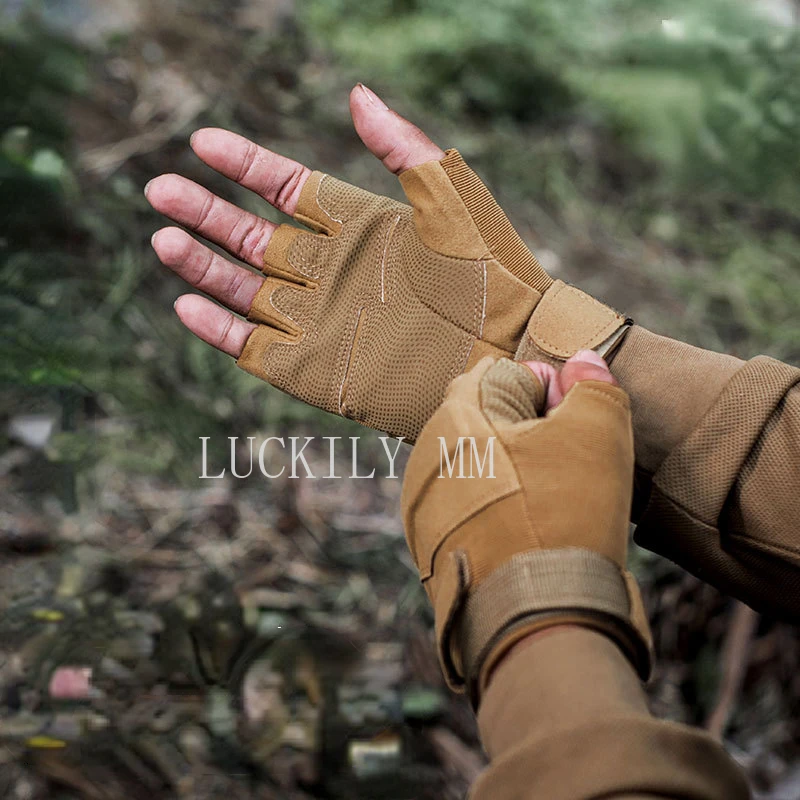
(76, 330)
(36, 71)
(708, 91)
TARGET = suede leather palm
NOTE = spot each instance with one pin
(373, 314)
(538, 535)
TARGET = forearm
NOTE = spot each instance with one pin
(718, 448)
(565, 716)
(671, 385)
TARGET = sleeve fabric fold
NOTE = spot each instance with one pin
(565, 718)
(719, 442)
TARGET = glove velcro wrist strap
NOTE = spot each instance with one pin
(567, 583)
(566, 320)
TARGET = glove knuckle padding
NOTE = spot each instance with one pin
(373, 314)
(547, 534)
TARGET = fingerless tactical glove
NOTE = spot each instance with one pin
(373, 315)
(539, 538)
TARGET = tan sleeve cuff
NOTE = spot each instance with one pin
(565, 717)
(671, 386)
(692, 485)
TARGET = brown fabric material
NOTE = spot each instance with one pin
(724, 503)
(759, 519)
(503, 241)
(522, 629)
(276, 262)
(509, 305)
(382, 306)
(447, 598)
(559, 524)
(768, 579)
(481, 349)
(261, 339)
(538, 582)
(729, 430)
(565, 718)
(671, 386)
(313, 210)
(430, 192)
(386, 303)
(264, 310)
(718, 466)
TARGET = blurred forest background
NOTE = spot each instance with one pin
(648, 151)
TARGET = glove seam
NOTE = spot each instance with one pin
(324, 209)
(390, 231)
(315, 273)
(478, 302)
(534, 430)
(287, 287)
(349, 363)
(764, 547)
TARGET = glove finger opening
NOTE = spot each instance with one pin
(511, 393)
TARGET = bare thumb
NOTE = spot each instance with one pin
(399, 144)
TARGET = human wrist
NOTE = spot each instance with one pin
(535, 591)
(517, 644)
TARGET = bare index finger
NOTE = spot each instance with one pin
(277, 179)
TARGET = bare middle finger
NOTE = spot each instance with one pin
(242, 234)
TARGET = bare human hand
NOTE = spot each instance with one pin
(397, 143)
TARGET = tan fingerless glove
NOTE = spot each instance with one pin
(540, 538)
(373, 315)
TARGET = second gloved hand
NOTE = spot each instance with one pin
(538, 535)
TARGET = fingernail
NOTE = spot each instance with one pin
(191, 138)
(153, 239)
(147, 186)
(372, 97)
(589, 357)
